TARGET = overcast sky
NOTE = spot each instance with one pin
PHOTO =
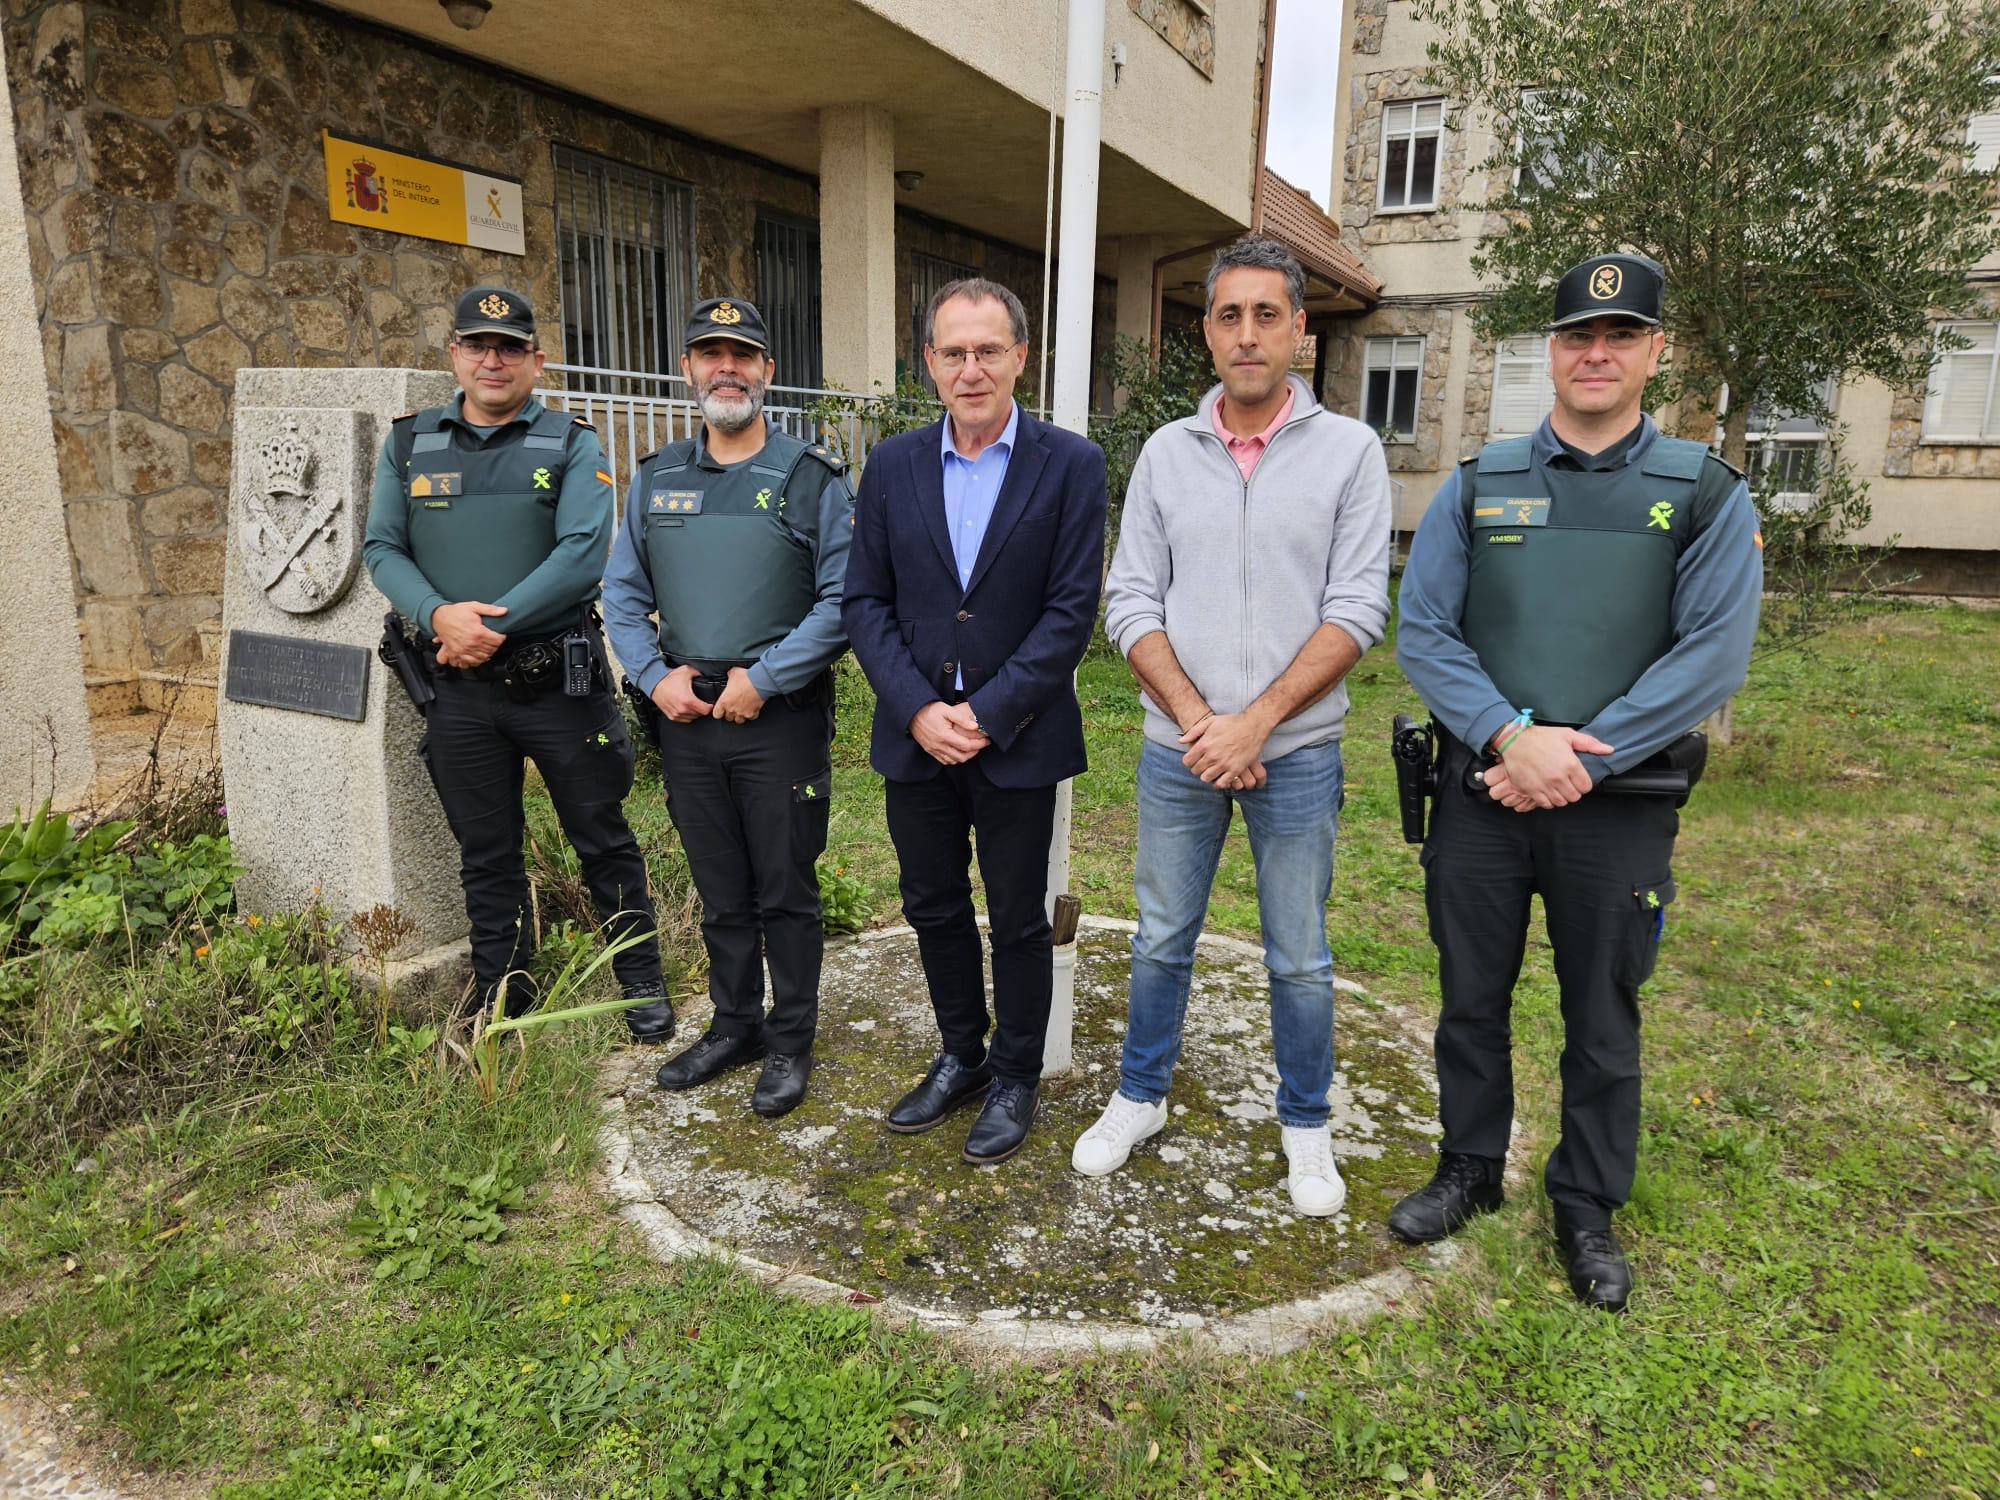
(1300, 147)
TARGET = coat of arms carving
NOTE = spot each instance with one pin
(299, 547)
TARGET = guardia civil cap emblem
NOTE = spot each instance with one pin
(723, 312)
(494, 306)
(1605, 282)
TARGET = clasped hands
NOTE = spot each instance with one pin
(461, 634)
(674, 696)
(1225, 749)
(948, 732)
(1541, 768)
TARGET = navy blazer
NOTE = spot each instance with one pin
(1016, 632)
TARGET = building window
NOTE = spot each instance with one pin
(788, 296)
(1393, 371)
(625, 264)
(1982, 134)
(1410, 135)
(929, 275)
(1786, 451)
(1959, 406)
(1522, 389)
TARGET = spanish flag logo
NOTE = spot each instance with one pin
(601, 474)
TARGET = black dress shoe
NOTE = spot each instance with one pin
(651, 1024)
(781, 1087)
(714, 1053)
(949, 1084)
(1598, 1271)
(1457, 1192)
(1003, 1124)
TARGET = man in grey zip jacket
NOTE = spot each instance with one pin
(1251, 573)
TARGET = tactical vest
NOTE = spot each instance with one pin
(732, 550)
(482, 516)
(1570, 591)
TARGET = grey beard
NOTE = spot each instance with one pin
(731, 413)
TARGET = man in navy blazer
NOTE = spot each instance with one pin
(972, 588)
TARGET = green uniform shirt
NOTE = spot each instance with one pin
(548, 598)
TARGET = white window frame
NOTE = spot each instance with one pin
(1523, 351)
(1967, 361)
(1982, 134)
(1412, 111)
(1774, 436)
(1392, 355)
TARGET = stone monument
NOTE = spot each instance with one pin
(328, 799)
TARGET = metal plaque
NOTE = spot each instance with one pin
(286, 671)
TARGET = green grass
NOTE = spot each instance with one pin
(1814, 1225)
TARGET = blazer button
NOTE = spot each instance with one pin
(964, 614)
(951, 666)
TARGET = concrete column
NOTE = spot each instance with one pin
(1136, 254)
(45, 748)
(857, 246)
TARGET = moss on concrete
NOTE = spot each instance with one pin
(1197, 1225)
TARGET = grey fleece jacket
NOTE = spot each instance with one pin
(1240, 575)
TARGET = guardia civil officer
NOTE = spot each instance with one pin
(1576, 602)
(488, 530)
(736, 539)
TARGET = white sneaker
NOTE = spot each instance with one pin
(1314, 1180)
(1103, 1148)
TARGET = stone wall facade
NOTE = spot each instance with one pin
(1345, 375)
(1361, 221)
(1371, 17)
(1189, 29)
(1909, 456)
(175, 191)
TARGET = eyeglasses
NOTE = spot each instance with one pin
(988, 356)
(1617, 340)
(476, 350)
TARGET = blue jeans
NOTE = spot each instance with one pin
(1182, 823)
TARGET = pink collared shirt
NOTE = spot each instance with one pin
(1247, 451)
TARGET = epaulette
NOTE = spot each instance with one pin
(406, 416)
(581, 422)
(826, 456)
(1736, 472)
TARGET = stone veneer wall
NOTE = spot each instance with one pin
(176, 204)
(1345, 375)
(1361, 166)
(1908, 456)
(1187, 28)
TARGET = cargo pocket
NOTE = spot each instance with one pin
(810, 797)
(1650, 900)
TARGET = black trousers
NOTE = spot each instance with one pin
(933, 824)
(477, 740)
(750, 804)
(1603, 868)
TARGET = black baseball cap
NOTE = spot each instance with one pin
(1611, 286)
(494, 309)
(726, 318)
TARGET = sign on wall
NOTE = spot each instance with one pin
(432, 200)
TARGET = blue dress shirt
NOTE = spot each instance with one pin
(971, 487)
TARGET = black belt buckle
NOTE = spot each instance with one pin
(708, 687)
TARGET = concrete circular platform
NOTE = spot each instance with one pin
(1195, 1233)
